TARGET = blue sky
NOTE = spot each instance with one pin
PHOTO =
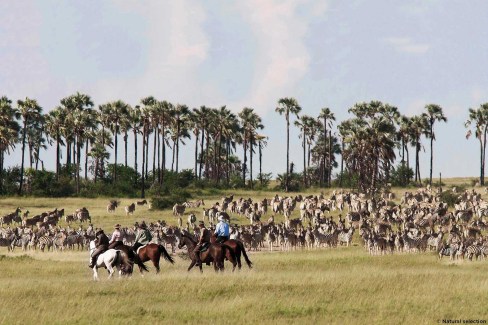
(251, 53)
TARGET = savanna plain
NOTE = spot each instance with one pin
(322, 286)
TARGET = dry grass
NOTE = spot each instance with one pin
(343, 285)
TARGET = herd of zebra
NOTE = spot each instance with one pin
(419, 223)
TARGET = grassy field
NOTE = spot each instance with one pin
(343, 285)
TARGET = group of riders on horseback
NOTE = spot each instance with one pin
(144, 237)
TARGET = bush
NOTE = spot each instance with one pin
(401, 175)
(168, 201)
(450, 198)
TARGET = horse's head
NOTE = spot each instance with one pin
(182, 241)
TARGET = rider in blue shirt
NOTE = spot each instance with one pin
(222, 230)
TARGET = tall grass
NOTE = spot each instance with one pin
(326, 286)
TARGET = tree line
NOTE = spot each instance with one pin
(84, 136)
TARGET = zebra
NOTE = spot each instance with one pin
(346, 237)
(474, 250)
(45, 241)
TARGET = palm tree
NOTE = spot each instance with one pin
(287, 106)
(304, 125)
(418, 127)
(262, 142)
(180, 118)
(117, 112)
(434, 113)
(134, 121)
(9, 131)
(327, 116)
(54, 125)
(479, 119)
(30, 111)
(370, 139)
(250, 122)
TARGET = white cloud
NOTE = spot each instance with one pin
(282, 58)
(177, 45)
(407, 45)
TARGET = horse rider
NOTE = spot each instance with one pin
(116, 239)
(102, 245)
(143, 236)
(222, 230)
(204, 239)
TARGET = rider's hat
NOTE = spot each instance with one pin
(143, 225)
(201, 223)
(117, 226)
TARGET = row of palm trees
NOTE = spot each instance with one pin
(368, 141)
(77, 125)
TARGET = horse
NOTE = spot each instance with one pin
(237, 247)
(108, 260)
(215, 253)
(130, 253)
(153, 252)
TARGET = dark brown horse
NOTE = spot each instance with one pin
(237, 247)
(215, 253)
(130, 253)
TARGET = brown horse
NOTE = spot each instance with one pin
(153, 252)
(237, 247)
(215, 253)
(130, 253)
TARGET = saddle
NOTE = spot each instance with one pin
(138, 249)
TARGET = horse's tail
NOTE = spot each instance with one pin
(165, 254)
(123, 259)
(243, 250)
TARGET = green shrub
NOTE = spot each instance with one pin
(168, 201)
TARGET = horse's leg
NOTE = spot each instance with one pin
(155, 261)
(193, 262)
(95, 273)
(238, 258)
(110, 270)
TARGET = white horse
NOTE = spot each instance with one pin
(110, 259)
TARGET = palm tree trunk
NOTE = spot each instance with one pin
(155, 140)
(304, 160)
(78, 159)
(484, 156)
(218, 156)
(342, 162)
(159, 155)
(24, 132)
(244, 166)
(143, 176)
(58, 167)
(431, 151)
(207, 156)
(86, 159)
(250, 160)
(260, 164)
(163, 139)
(135, 155)
(126, 136)
(329, 180)
(201, 154)
(227, 153)
(177, 143)
(287, 149)
(115, 148)
(146, 170)
(197, 133)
